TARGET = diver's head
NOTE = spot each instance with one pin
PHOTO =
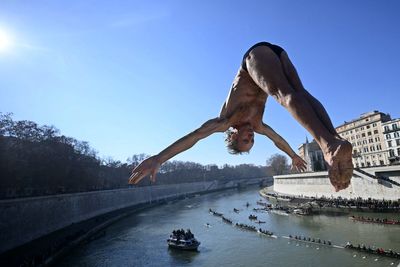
(239, 139)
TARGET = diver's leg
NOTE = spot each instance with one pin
(266, 70)
(294, 79)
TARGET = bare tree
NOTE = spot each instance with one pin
(278, 164)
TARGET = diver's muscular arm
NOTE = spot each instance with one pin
(152, 164)
(186, 142)
(278, 140)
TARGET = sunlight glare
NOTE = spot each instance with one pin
(5, 41)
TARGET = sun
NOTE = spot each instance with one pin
(5, 40)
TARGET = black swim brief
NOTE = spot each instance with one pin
(276, 48)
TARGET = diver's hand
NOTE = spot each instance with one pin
(298, 163)
(149, 166)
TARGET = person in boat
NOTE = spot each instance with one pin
(266, 70)
(190, 234)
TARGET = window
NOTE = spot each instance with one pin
(381, 162)
(386, 128)
(377, 139)
(368, 127)
(369, 133)
(375, 131)
(396, 134)
(379, 147)
(374, 124)
(398, 151)
(370, 140)
(365, 149)
(391, 153)
(389, 143)
(398, 142)
(394, 126)
(387, 136)
(372, 148)
(363, 134)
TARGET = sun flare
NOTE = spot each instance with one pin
(5, 41)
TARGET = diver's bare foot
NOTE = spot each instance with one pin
(340, 166)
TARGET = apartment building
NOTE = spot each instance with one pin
(391, 132)
(366, 134)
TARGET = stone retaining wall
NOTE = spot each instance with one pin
(23, 220)
(317, 184)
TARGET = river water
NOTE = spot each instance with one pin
(140, 239)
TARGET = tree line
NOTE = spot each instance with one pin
(38, 160)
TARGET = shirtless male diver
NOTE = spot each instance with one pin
(266, 70)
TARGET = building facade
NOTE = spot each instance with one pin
(391, 132)
(312, 154)
(366, 134)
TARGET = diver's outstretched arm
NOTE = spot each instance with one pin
(297, 162)
(152, 164)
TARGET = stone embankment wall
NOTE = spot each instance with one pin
(25, 219)
(317, 184)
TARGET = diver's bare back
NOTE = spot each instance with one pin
(245, 102)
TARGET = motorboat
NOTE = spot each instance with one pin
(183, 244)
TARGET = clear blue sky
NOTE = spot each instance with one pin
(133, 76)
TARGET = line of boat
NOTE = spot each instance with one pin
(312, 241)
(374, 220)
(213, 212)
(229, 221)
(374, 251)
(359, 248)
